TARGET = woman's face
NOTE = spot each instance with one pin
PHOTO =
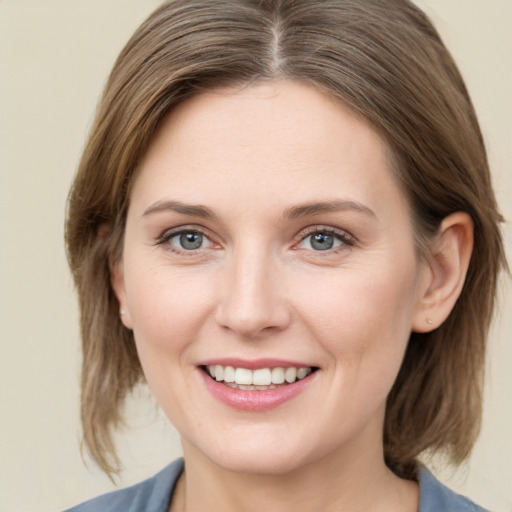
(267, 237)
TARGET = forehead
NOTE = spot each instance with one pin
(268, 140)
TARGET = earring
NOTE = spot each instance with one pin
(122, 312)
(429, 321)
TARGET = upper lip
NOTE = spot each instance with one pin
(254, 364)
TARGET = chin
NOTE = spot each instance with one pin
(261, 463)
(264, 455)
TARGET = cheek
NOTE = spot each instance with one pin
(166, 308)
(167, 311)
(360, 314)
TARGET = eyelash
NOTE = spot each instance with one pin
(167, 236)
(346, 239)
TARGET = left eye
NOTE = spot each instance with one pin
(321, 241)
(189, 240)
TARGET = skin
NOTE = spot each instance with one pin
(258, 288)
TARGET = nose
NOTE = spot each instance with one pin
(253, 300)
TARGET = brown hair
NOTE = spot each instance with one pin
(386, 61)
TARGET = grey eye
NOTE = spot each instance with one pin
(189, 240)
(321, 241)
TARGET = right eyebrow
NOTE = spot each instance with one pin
(194, 210)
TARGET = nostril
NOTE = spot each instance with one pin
(256, 324)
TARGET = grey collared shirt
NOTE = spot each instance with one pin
(154, 495)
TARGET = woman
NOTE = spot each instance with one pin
(283, 221)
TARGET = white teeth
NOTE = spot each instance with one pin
(302, 372)
(250, 388)
(262, 378)
(290, 374)
(219, 372)
(243, 376)
(229, 374)
(277, 375)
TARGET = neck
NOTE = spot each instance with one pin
(337, 482)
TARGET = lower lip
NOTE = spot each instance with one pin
(255, 401)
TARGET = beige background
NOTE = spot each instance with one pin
(54, 58)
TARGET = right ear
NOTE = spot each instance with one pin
(117, 283)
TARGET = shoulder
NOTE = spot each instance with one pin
(151, 495)
(435, 497)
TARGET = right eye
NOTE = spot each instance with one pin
(186, 240)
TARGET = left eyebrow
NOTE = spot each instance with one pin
(194, 210)
(304, 210)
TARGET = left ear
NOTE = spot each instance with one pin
(448, 264)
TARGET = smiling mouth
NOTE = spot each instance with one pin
(261, 379)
